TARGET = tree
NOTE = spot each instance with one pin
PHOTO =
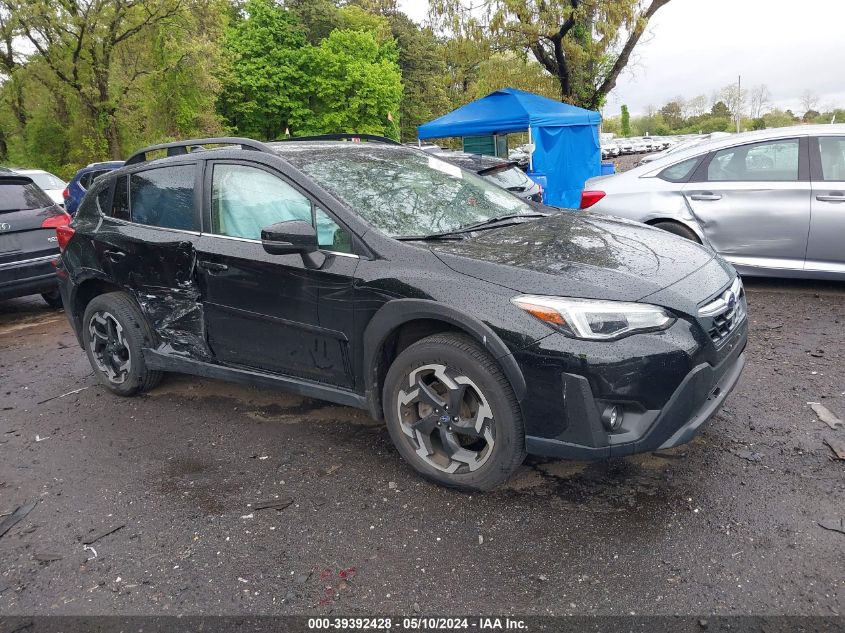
(760, 99)
(584, 44)
(809, 100)
(266, 85)
(354, 85)
(673, 114)
(626, 121)
(79, 41)
(720, 109)
(421, 61)
(735, 99)
(10, 63)
(696, 106)
(810, 116)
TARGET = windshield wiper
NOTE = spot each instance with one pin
(448, 235)
(500, 218)
(460, 232)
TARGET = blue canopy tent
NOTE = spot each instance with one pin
(566, 138)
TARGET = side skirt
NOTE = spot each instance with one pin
(162, 361)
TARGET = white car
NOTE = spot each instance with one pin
(51, 184)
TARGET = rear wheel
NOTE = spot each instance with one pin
(114, 333)
(53, 299)
(452, 413)
(677, 229)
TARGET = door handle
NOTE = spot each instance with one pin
(212, 267)
(706, 196)
(836, 196)
(114, 256)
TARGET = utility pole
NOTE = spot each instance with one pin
(738, 101)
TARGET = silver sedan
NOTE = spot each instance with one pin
(771, 202)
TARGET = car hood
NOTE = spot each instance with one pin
(581, 255)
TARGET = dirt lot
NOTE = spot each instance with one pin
(727, 524)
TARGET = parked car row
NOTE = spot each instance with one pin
(636, 145)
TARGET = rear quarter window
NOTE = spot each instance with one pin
(97, 200)
(680, 172)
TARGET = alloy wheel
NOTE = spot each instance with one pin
(446, 418)
(108, 347)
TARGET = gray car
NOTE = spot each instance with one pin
(771, 202)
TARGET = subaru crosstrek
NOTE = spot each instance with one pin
(478, 326)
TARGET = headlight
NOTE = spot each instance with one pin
(595, 320)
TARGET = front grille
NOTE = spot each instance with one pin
(723, 314)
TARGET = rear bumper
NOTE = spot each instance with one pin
(32, 276)
(695, 400)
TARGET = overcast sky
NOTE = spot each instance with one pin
(697, 46)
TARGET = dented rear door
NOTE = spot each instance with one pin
(147, 245)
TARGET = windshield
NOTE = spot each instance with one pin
(511, 178)
(20, 195)
(46, 180)
(404, 192)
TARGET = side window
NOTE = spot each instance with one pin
(246, 199)
(832, 149)
(679, 172)
(768, 161)
(85, 180)
(120, 202)
(163, 197)
(330, 236)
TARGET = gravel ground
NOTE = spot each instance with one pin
(728, 524)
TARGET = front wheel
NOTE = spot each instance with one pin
(677, 229)
(452, 414)
(114, 332)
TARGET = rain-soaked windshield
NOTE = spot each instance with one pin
(403, 192)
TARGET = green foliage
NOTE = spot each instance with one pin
(354, 84)
(720, 109)
(266, 83)
(626, 121)
(673, 115)
(93, 78)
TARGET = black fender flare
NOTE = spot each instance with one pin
(394, 313)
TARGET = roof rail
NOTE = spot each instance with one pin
(180, 148)
(355, 138)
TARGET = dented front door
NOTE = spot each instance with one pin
(262, 311)
(753, 204)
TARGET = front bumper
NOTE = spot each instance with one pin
(696, 394)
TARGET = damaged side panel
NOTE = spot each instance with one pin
(160, 272)
(169, 296)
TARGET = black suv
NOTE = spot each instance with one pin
(28, 221)
(477, 325)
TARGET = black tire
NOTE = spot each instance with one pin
(53, 299)
(117, 312)
(678, 229)
(497, 441)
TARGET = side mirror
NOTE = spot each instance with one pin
(286, 238)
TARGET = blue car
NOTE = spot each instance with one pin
(78, 185)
